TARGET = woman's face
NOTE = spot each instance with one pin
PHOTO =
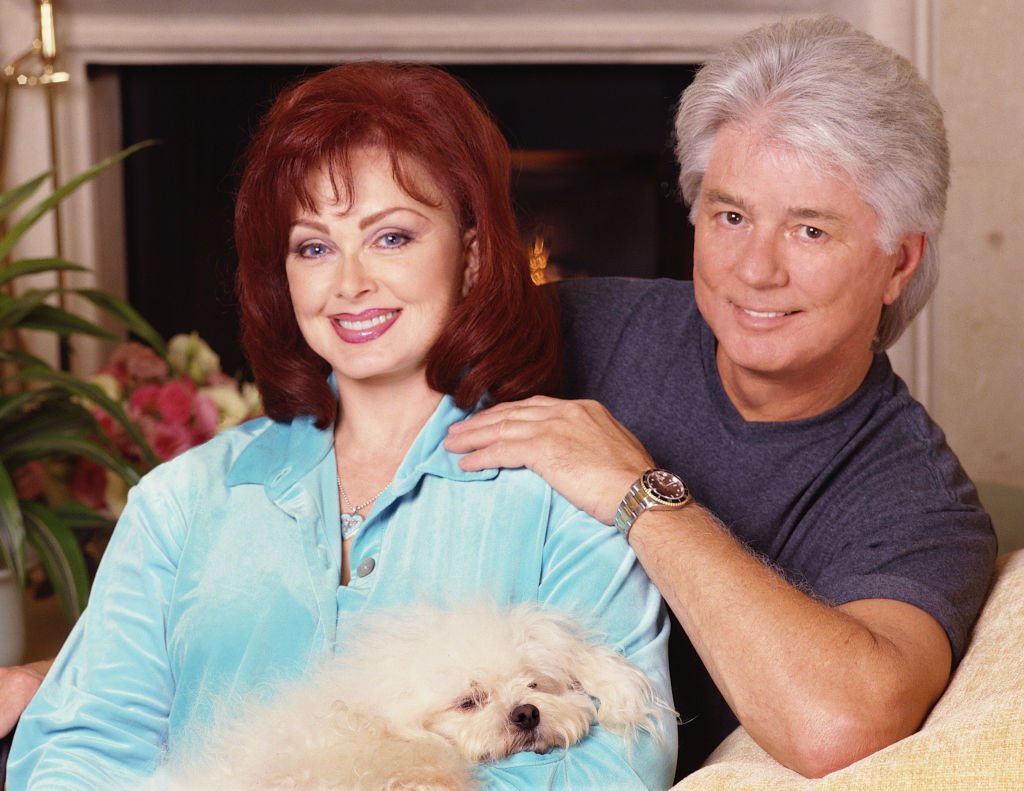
(373, 276)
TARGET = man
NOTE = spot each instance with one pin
(833, 556)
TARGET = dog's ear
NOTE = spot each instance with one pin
(627, 700)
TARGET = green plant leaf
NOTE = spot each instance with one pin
(53, 415)
(128, 316)
(15, 196)
(79, 516)
(14, 310)
(12, 528)
(34, 266)
(32, 216)
(61, 556)
(62, 322)
(14, 406)
(93, 394)
(78, 446)
(22, 359)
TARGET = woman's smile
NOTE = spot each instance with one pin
(366, 326)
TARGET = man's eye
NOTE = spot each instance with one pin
(732, 218)
(813, 233)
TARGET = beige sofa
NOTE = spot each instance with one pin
(972, 740)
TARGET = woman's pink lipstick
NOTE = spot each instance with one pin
(365, 326)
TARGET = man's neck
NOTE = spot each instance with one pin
(776, 398)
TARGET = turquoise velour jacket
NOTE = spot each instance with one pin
(222, 579)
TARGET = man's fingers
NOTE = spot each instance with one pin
(508, 442)
(522, 411)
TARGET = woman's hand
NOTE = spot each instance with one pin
(576, 446)
(17, 686)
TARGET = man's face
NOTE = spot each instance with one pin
(790, 277)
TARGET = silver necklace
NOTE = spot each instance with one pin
(351, 519)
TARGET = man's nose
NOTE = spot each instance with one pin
(762, 262)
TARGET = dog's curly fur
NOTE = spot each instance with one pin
(425, 694)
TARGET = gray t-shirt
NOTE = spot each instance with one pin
(864, 501)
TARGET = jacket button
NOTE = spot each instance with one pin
(366, 567)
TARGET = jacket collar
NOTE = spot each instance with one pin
(286, 452)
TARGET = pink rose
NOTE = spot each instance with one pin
(174, 401)
(133, 363)
(144, 399)
(207, 417)
(87, 483)
(169, 439)
(29, 480)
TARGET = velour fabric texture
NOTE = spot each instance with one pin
(973, 739)
(221, 582)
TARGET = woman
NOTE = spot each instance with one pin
(384, 294)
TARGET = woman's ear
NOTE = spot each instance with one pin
(471, 260)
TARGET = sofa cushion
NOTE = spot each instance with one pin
(973, 738)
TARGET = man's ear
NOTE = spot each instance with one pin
(907, 258)
(471, 260)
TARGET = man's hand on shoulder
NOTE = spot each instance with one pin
(576, 446)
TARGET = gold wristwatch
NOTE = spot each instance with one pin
(659, 490)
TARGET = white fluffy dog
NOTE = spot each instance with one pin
(424, 695)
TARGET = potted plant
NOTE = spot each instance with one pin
(47, 414)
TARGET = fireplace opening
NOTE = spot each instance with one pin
(594, 179)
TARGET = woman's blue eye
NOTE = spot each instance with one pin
(392, 239)
(312, 249)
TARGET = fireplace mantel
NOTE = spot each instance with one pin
(154, 31)
(318, 31)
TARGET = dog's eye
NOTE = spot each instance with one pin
(468, 703)
(532, 685)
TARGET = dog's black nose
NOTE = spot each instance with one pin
(525, 717)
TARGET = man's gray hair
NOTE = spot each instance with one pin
(845, 103)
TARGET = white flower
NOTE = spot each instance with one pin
(192, 356)
(232, 406)
(108, 384)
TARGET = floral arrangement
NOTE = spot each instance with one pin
(177, 403)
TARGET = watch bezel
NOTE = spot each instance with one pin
(651, 482)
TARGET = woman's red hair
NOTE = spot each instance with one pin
(502, 341)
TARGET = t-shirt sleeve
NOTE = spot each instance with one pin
(923, 539)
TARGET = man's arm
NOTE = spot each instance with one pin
(818, 687)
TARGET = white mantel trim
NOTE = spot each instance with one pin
(683, 36)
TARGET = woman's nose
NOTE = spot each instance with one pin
(352, 276)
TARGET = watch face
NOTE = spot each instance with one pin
(666, 486)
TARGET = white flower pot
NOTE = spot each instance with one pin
(12, 620)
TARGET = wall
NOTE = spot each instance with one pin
(978, 310)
